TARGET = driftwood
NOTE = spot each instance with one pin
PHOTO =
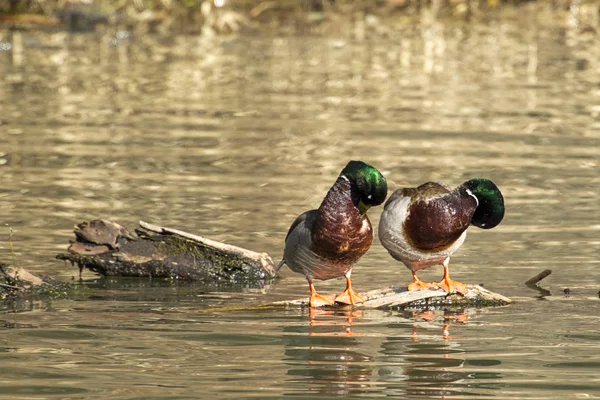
(400, 297)
(16, 284)
(109, 249)
(16, 279)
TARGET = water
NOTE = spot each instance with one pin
(231, 138)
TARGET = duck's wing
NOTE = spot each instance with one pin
(298, 253)
(308, 215)
(299, 225)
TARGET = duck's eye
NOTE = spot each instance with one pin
(369, 197)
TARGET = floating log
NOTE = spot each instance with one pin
(109, 249)
(399, 298)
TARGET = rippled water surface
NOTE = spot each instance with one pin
(231, 138)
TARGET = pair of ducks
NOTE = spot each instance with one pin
(420, 226)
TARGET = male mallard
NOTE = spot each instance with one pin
(327, 242)
(424, 226)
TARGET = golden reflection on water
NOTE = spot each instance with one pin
(342, 361)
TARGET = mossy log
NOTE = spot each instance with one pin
(16, 282)
(109, 249)
(399, 298)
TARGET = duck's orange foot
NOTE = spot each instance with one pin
(452, 286)
(319, 300)
(422, 285)
(349, 296)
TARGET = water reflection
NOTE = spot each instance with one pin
(431, 365)
(449, 317)
(431, 369)
(329, 360)
(223, 138)
(330, 356)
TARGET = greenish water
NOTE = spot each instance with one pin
(232, 138)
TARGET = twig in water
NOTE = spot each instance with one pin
(4, 285)
(534, 282)
(536, 279)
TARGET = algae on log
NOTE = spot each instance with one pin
(399, 298)
(16, 282)
(160, 252)
(11, 285)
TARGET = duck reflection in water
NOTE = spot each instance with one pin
(425, 358)
(330, 317)
(328, 359)
(450, 318)
(430, 365)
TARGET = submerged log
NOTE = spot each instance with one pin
(109, 249)
(16, 283)
(17, 278)
(399, 298)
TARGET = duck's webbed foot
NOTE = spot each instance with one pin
(452, 286)
(419, 284)
(319, 300)
(349, 296)
(448, 284)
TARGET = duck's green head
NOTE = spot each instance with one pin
(370, 185)
(490, 208)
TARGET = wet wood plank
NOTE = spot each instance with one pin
(394, 297)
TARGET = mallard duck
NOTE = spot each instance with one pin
(327, 242)
(424, 226)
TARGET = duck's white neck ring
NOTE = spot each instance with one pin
(473, 196)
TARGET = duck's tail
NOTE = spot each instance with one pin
(280, 265)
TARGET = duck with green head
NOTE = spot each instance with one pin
(326, 243)
(424, 226)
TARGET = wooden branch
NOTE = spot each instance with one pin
(536, 279)
(262, 258)
(19, 278)
(534, 283)
(109, 249)
(400, 297)
(17, 282)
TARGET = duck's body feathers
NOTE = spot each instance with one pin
(423, 226)
(300, 257)
(326, 243)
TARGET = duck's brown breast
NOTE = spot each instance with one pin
(340, 232)
(432, 225)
